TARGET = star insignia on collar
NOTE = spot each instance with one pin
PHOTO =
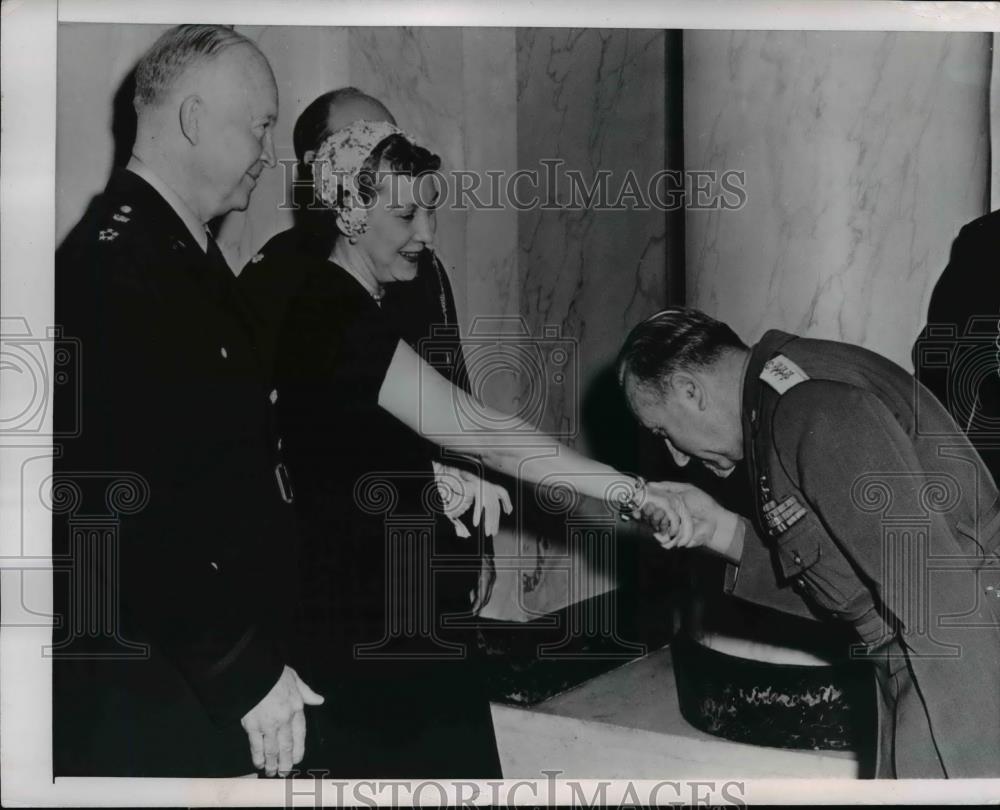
(256, 258)
(107, 235)
(125, 209)
(119, 218)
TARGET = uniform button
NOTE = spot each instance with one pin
(215, 566)
(800, 582)
(274, 395)
(223, 352)
(798, 559)
(279, 444)
(753, 415)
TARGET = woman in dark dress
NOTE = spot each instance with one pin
(385, 579)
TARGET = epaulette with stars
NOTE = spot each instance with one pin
(121, 216)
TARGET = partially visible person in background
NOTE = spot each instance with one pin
(957, 354)
(172, 397)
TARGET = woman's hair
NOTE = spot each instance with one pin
(394, 154)
(673, 340)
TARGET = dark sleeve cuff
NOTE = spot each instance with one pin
(754, 579)
(241, 678)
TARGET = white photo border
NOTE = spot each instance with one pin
(27, 199)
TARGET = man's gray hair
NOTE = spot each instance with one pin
(678, 338)
(174, 52)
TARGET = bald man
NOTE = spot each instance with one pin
(188, 676)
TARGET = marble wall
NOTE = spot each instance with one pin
(592, 101)
(864, 154)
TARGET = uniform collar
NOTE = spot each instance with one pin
(760, 353)
(181, 208)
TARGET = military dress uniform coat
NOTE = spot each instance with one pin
(172, 399)
(874, 509)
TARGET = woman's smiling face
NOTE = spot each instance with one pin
(401, 223)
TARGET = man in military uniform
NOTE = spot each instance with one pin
(173, 395)
(871, 508)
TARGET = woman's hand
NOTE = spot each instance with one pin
(665, 512)
(461, 489)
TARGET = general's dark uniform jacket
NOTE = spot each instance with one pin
(956, 355)
(875, 509)
(174, 401)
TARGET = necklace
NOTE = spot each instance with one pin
(441, 282)
(377, 292)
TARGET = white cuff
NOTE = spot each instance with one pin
(728, 538)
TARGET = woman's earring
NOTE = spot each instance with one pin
(352, 239)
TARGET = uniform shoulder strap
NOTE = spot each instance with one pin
(782, 374)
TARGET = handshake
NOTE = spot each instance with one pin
(683, 516)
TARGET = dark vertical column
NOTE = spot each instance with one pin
(673, 160)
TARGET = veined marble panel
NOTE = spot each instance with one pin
(864, 154)
(595, 100)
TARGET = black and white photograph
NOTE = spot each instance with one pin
(430, 404)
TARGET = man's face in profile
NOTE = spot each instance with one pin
(688, 425)
(240, 107)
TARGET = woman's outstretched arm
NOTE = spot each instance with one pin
(416, 394)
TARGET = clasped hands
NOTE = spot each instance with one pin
(683, 516)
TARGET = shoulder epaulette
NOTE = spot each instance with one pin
(120, 217)
(782, 374)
